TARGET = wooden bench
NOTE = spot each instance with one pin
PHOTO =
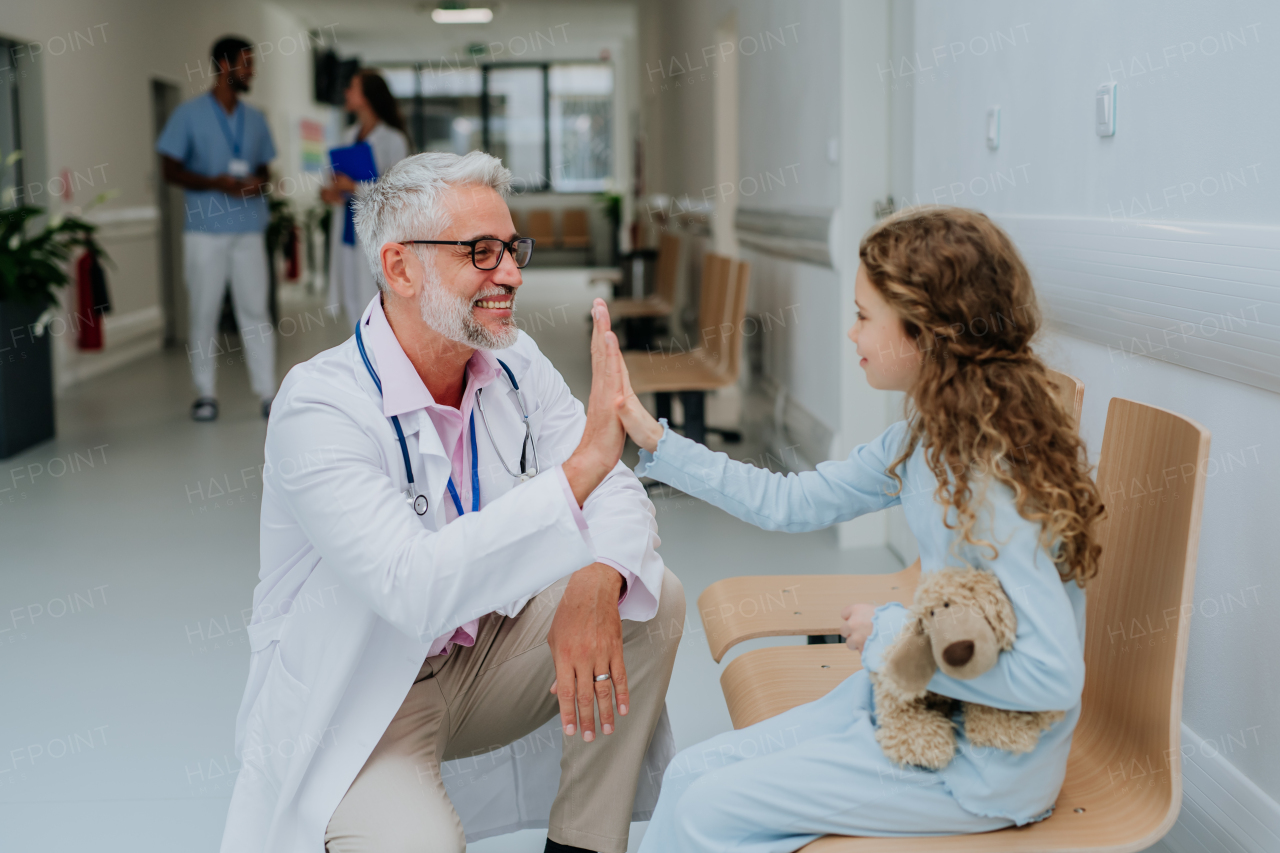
(716, 359)
(663, 299)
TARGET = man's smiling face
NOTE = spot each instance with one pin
(463, 303)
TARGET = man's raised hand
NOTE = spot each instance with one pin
(603, 437)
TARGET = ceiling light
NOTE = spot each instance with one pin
(462, 16)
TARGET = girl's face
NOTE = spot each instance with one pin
(889, 357)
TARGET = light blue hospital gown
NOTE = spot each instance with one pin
(817, 769)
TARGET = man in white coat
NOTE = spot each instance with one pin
(424, 598)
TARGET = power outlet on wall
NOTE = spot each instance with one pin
(1105, 110)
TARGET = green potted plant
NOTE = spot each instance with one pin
(33, 263)
(281, 222)
(611, 203)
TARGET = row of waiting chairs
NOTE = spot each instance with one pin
(710, 357)
(575, 232)
(1132, 701)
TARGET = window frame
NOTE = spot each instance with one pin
(485, 115)
(417, 123)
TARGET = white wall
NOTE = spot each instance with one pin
(812, 136)
(97, 122)
(785, 123)
(1191, 104)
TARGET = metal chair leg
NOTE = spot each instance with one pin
(662, 405)
(695, 419)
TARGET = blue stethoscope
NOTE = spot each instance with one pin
(419, 501)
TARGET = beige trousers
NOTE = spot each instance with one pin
(481, 698)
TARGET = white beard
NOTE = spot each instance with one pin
(451, 316)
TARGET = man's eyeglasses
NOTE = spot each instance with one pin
(487, 253)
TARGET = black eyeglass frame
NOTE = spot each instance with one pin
(505, 247)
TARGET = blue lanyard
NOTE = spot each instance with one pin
(475, 477)
(404, 446)
(235, 141)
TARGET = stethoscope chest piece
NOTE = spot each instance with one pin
(420, 504)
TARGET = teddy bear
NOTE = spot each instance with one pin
(961, 620)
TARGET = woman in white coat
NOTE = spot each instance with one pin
(379, 123)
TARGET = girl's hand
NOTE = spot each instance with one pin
(643, 428)
(857, 624)
(343, 183)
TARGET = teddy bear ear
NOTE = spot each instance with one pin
(909, 662)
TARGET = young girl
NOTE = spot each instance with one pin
(990, 474)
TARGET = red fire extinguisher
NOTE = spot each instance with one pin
(92, 301)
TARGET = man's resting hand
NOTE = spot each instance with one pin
(586, 641)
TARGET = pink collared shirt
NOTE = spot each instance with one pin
(403, 391)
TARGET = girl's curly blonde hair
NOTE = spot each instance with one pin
(983, 402)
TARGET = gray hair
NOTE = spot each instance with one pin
(405, 203)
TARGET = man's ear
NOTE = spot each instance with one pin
(397, 261)
(909, 663)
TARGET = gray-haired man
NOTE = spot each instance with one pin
(487, 561)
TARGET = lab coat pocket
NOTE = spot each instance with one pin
(274, 730)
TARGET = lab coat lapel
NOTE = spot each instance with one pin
(435, 463)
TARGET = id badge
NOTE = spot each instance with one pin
(238, 168)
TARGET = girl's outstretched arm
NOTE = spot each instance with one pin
(836, 491)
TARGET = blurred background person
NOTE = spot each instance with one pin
(379, 123)
(217, 149)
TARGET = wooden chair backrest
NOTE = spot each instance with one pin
(729, 337)
(541, 228)
(713, 291)
(668, 267)
(1070, 393)
(1151, 473)
(575, 230)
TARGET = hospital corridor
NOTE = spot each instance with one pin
(638, 425)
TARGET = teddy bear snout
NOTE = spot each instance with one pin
(958, 653)
(964, 645)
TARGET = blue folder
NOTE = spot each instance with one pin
(356, 162)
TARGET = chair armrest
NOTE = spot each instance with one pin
(750, 606)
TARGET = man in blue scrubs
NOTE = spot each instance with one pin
(217, 148)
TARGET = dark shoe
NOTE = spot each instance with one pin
(204, 409)
(557, 847)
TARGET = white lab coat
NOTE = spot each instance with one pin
(350, 279)
(355, 586)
